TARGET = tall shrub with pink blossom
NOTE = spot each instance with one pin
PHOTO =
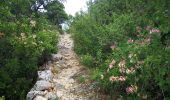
(129, 43)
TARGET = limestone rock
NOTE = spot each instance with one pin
(51, 96)
(40, 98)
(45, 75)
(42, 85)
(33, 94)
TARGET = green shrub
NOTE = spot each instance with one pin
(19, 57)
(129, 43)
(87, 60)
(27, 39)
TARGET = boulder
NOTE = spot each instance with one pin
(51, 96)
(33, 94)
(45, 75)
(42, 85)
(40, 98)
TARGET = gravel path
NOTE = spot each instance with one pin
(69, 74)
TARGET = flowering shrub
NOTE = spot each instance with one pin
(22, 47)
(27, 39)
(129, 47)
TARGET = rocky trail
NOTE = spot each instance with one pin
(64, 78)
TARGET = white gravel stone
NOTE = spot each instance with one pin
(40, 98)
(42, 85)
(33, 94)
(51, 96)
(45, 75)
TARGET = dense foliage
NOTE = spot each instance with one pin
(26, 38)
(128, 44)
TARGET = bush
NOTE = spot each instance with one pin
(129, 47)
(87, 60)
(21, 49)
(137, 68)
(27, 39)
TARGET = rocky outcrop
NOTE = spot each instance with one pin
(51, 96)
(40, 98)
(42, 85)
(42, 88)
(45, 75)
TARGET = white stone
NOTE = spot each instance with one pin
(51, 96)
(45, 75)
(40, 98)
(42, 85)
(33, 94)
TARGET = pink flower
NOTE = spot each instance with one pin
(122, 63)
(130, 71)
(130, 41)
(122, 66)
(113, 78)
(110, 66)
(112, 63)
(131, 89)
(154, 30)
(116, 78)
(122, 78)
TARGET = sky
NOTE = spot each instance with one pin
(73, 6)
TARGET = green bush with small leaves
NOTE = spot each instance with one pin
(87, 60)
(129, 43)
(27, 39)
(20, 55)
